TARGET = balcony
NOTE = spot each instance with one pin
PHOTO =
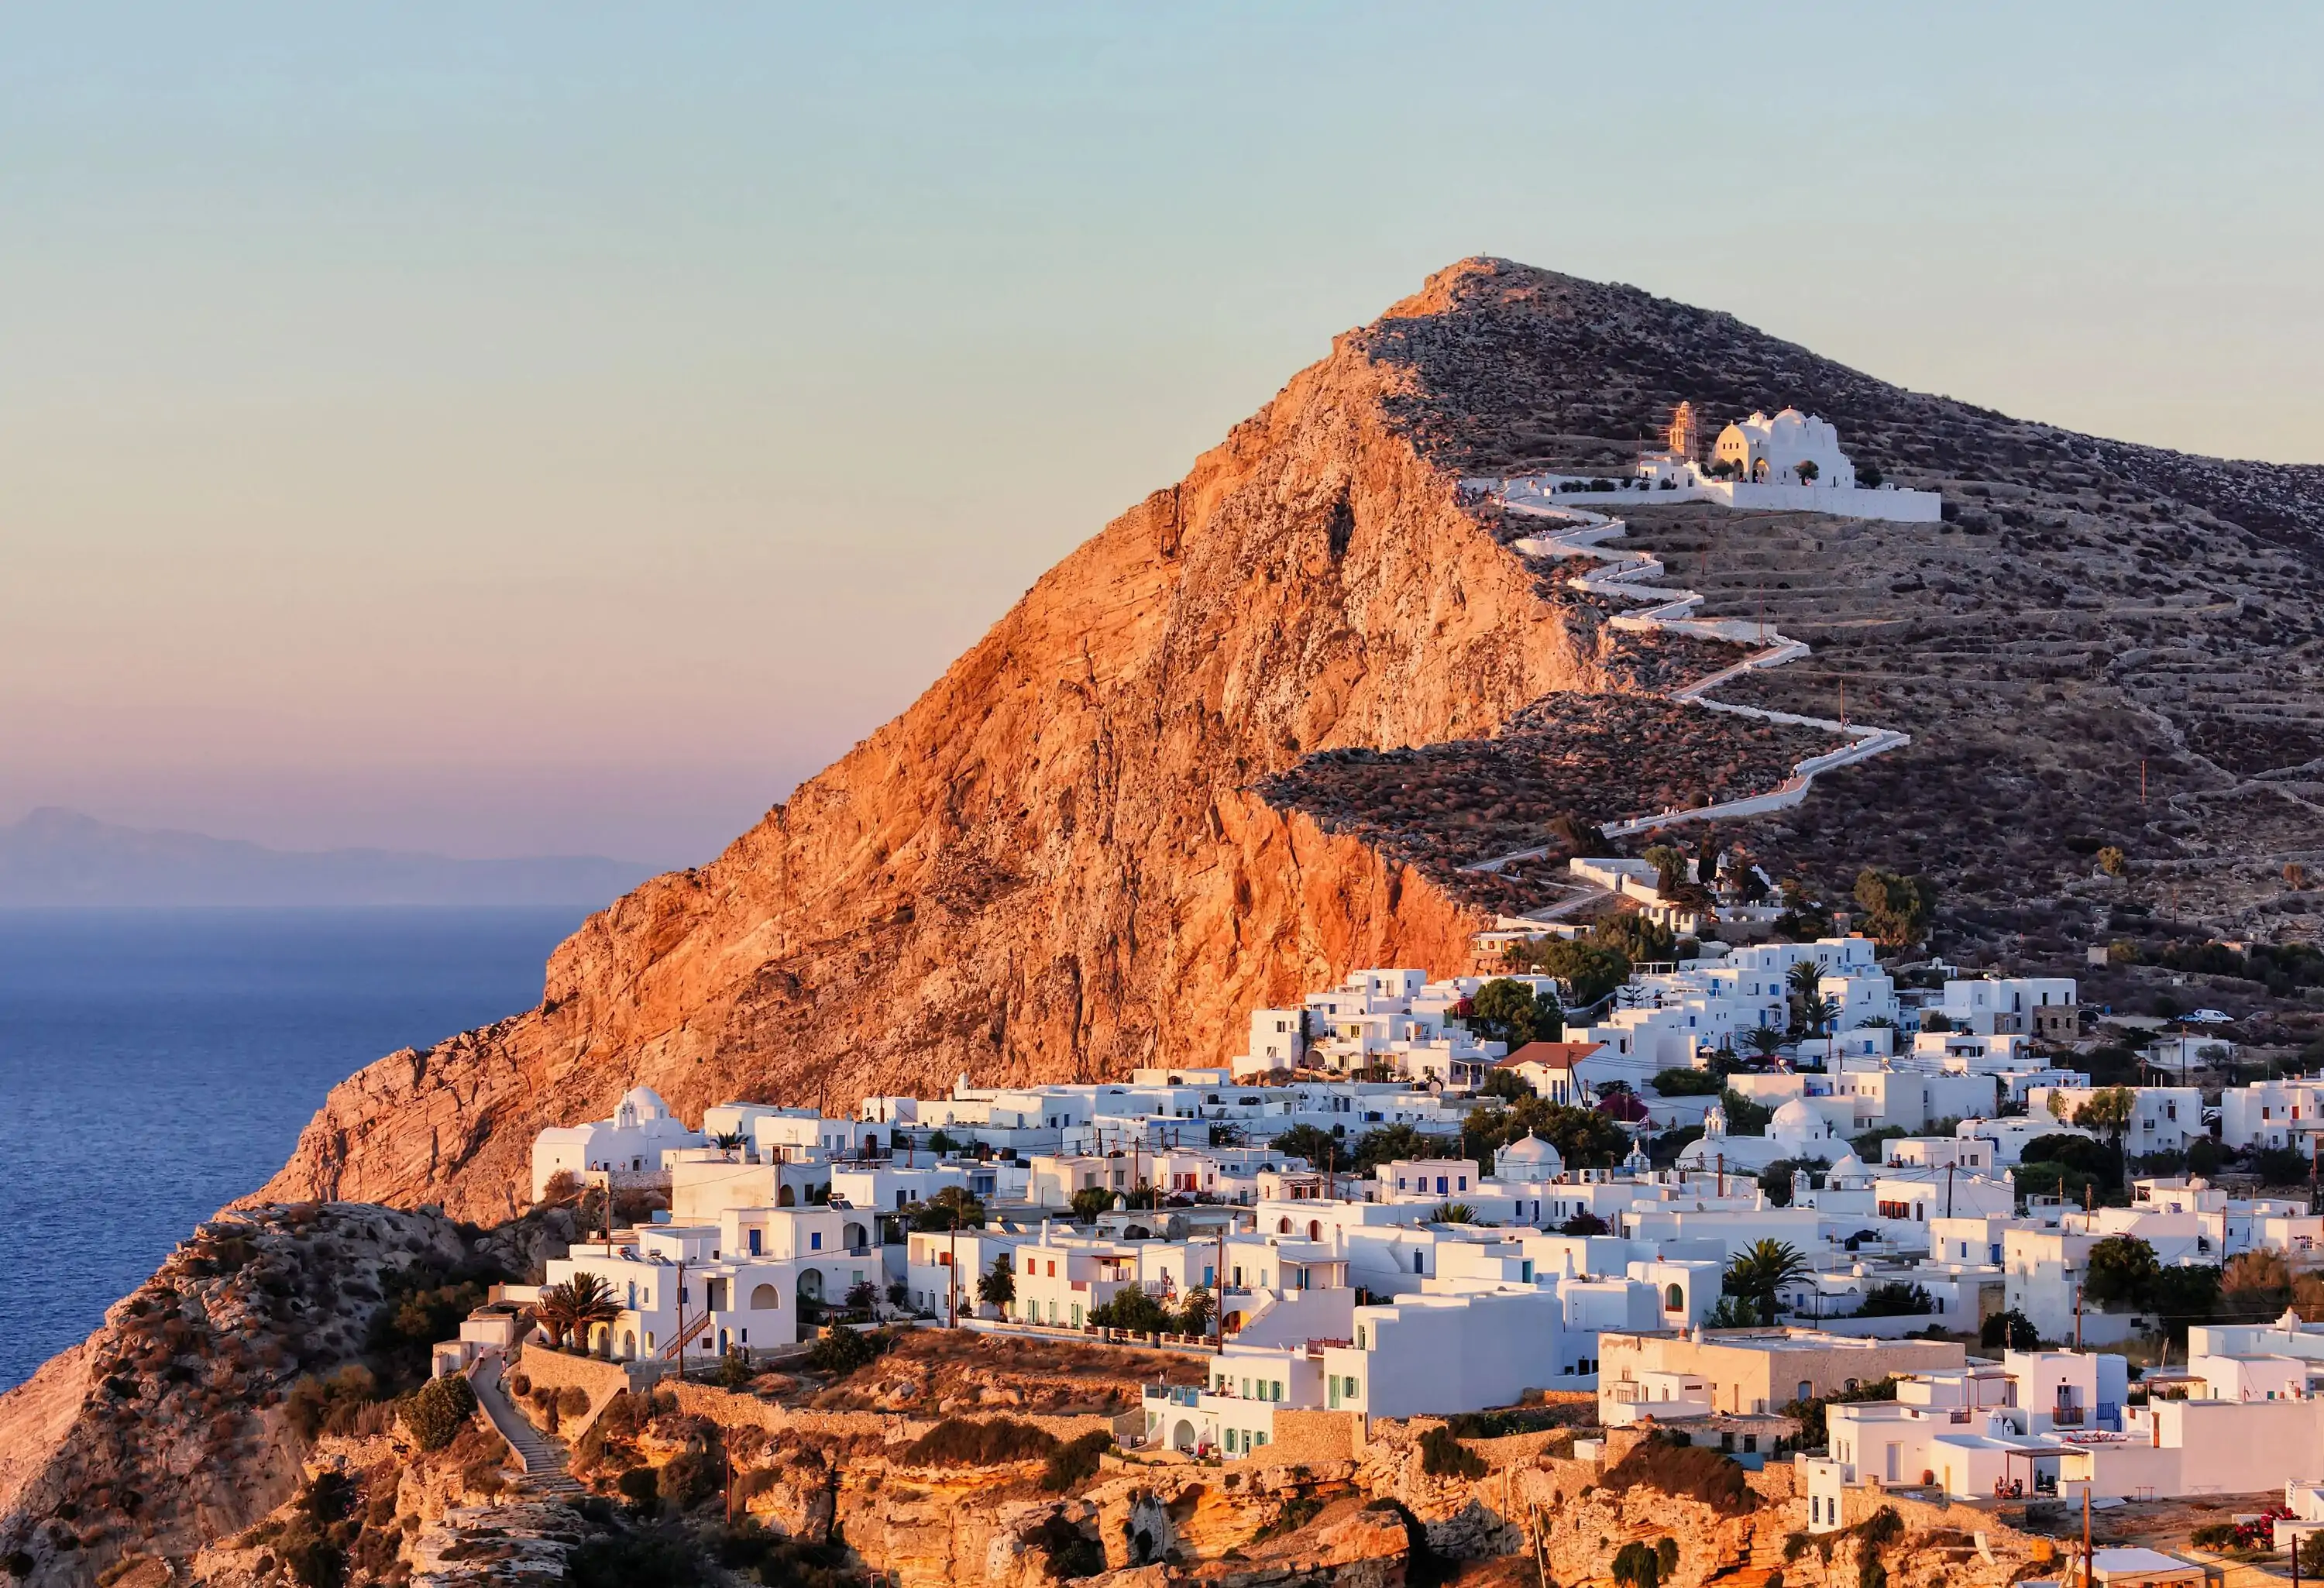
(2066, 1416)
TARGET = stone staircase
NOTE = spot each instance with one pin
(543, 1458)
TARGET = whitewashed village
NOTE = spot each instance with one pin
(1668, 1173)
(1763, 1198)
(1691, 1199)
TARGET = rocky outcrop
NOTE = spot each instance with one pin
(192, 1412)
(1051, 866)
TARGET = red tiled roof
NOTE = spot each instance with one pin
(1556, 1056)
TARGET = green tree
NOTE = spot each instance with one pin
(1806, 469)
(1896, 1299)
(1685, 1083)
(1670, 863)
(1389, 1143)
(1090, 1201)
(1744, 1117)
(1507, 1010)
(1133, 1309)
(998, 1286)
(2121, 1272)
(2109, 1112)
(575, 1307)
(1896, 909)
(1584, 1138)
(954, 1207)
(2009, 1330)
(1732, 1312)
(1317, 1145)
(1638, 939)
(1587, 969)
(1760, 1270)
(1506, 1084)
(1764, 1040)
(438, 1411)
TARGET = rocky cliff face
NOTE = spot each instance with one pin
(1058, 863)
(1051, 865)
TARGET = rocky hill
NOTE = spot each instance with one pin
(1067, 857)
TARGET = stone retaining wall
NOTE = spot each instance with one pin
(1310, 1438)
(729, 1409)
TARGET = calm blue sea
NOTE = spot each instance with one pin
(156, 1064)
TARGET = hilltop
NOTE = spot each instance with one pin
(1100, 838)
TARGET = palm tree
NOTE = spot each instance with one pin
(1766, 1041)
(1761, 1269)
(727, 1140)
(575, 1307)
(1807, 977)
(1453, 1212)
(1821, 1012)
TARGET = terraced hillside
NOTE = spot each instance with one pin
(2077, 671)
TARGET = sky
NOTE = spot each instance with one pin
(559, 428)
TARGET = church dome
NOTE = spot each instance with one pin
(1531, 1150)
(1797, 1122)
(646, 1102)
(1849, 1170)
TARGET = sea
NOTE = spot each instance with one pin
(156, 1064)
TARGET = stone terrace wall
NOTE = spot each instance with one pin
(729, 1409)
(1310, 1438)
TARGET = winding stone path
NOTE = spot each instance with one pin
(1626, 578)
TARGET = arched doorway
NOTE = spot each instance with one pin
(629, 1343)
(1674, 1299)
(1182, 1437)
(765, 1298)
(1283, 1226)
(1314, 1229)
(786, 1199)
(854, 1237)
(810, 1285)
(723, 1344)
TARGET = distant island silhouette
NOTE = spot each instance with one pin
(54, 856)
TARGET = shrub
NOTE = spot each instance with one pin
(688, 1478)
(1441, 1455)
(1689, 1470)
(1075, 1460)
(964, 1442)
(329, 1498)
(840, 1350)
(633, 1560)
(573, 1401)
(639, 1486)
(332, 1405)
(520, 1385)
(436, 1413)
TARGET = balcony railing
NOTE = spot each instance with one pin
(2066, 1416)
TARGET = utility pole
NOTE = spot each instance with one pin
(1219, 1295)
(2085, 1531)
(951, 1272)
(2078, 1318)
(1949, 1190)
(681, 1320)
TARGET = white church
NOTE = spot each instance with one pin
(629, 1144)
(1788, 462)
(1790, 446)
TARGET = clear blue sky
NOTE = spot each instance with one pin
(544, 427)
